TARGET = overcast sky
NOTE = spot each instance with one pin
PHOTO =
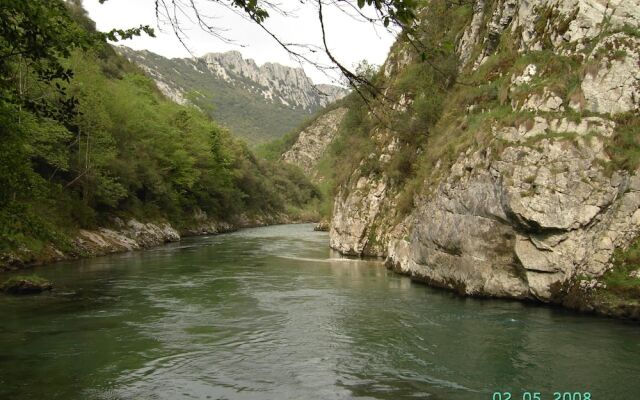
(349, 39)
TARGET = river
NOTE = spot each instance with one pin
(271, 313)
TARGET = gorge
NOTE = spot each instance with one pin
(508, 165)
(462, 223)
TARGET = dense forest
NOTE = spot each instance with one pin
(86, 136)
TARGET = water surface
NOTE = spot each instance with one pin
(270, 313)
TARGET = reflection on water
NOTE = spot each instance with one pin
(271, 313)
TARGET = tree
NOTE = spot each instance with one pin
(34, 37)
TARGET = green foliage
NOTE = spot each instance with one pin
(41, 32)
(624, 149)
(365, 70)
(402, 11)
(352, 143)
(21, 226)
(242, 111)
(122, 149)
(618, 280)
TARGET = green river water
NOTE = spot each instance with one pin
(271, 313)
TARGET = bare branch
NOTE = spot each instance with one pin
(390, 14)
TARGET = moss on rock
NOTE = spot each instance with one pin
(22, 284)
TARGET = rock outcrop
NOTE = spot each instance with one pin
(133, 235)
(21, 285)
(312, 141)
(279, 83)
(533, 205)
(272, 81)
(517, 224)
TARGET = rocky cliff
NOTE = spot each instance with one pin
(256, 102)
(508, 165)
(272, 81)
(313, 141)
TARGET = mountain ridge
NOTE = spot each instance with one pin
(257, 102)
(506, 164)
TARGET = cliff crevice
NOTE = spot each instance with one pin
(523, 183)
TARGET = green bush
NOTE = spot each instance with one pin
(618, 280)
(624, 149)
(106, 142)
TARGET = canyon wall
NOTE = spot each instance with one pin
(527, 182)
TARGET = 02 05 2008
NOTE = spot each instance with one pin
(541, 396)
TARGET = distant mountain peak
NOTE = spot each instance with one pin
(228, 77)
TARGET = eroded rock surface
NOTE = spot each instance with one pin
(614, 86)
(132, 236)
(537, 208)
(518, 225)
(314, 140)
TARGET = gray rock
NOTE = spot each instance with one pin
(615, 86)
(135, 235)
(527, 214)
(480, 234)
(272, 81)
(314, 140)
(471, 34)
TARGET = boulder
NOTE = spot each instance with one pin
(26, 285)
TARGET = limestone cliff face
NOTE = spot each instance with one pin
(485, 231)
(532, 204)
(133, 235)
(312, 142)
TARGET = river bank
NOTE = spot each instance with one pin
(584, 297)
(131, 235)
(134, 235)
(271, 313)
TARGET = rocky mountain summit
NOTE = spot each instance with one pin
(272, 81)
(257, 102)
(509, 166)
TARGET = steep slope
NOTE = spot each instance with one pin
(506, 163)
(313, 140)
(87, 156)
(257, 103)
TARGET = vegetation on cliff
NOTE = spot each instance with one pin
(501, 131)
(437, 107)
(624, 278)
(87, 136)
(422, 86)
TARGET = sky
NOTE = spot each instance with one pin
(349, 40)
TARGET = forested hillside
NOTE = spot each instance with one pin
(258, 103)
(87, 137)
